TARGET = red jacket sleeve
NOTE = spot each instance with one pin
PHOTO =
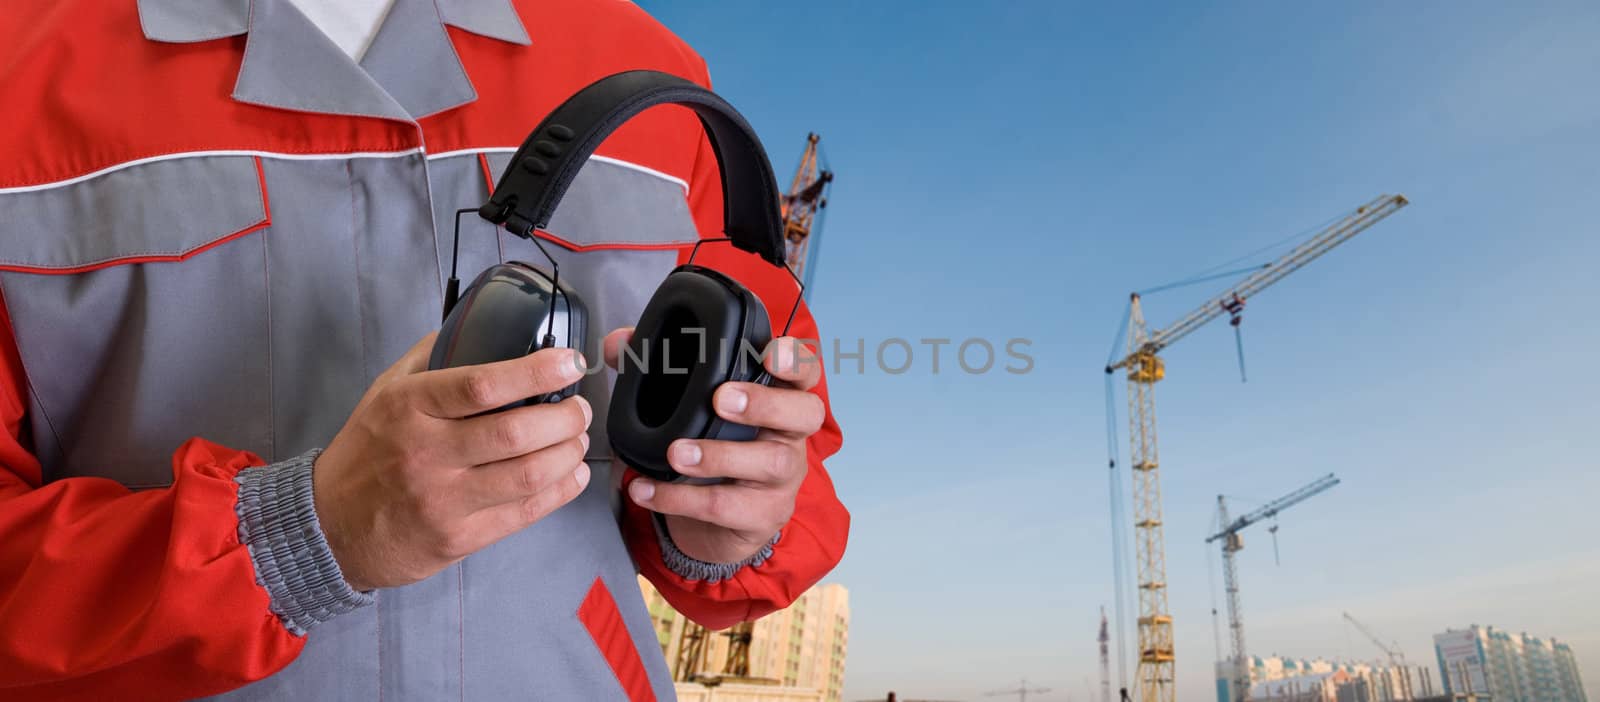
(146, 593)
(813, 541)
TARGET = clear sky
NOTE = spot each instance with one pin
(1014, 169)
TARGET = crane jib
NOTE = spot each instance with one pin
(1324, 241)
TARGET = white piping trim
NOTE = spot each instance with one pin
(473, 152)
(197, 154)
(323, 157)
(595, 157)
(644, 169)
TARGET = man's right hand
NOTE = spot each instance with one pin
(420, 478)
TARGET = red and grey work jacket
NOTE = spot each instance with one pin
(216, 229)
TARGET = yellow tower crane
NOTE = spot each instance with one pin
(1144, 366)
(802, 205)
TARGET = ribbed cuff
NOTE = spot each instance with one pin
(692, 569)
(278, 524)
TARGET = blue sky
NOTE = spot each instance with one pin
(1015, 169)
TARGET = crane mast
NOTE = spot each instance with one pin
(691, 652)
(1105, 657)
(737, 662)
(1232, 544)
(807, 195)
(1239, 691)
(1154, 679)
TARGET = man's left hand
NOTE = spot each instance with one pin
(731, 521)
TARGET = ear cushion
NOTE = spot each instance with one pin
(699, 330)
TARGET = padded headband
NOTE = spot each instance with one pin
(545, 165)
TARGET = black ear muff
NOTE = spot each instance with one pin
(699, 330)
(702, 328)
(509, 311)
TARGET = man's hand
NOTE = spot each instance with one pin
(420, 478)
(731, 521)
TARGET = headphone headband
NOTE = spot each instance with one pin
(545, 165)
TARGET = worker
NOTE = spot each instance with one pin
(224, 233)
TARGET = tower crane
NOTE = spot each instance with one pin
(1397, 658)
(694, 653)
(1144, 367)
(691, 652)
(1231, 544)
(807, 196)
(737, 662)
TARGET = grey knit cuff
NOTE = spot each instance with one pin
(693, 569)
(278, 524)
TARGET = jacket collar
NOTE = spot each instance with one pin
(410, 71)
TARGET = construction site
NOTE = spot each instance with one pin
(1524, 675)
(1395, 647)
(798, 654)
(1142, 365)
(1350, 247)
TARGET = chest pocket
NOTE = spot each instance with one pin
(138, 302)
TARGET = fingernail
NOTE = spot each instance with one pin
(785, 355)
(581, 475)
(572, 369)
(584, 437)
(588, 412)
(641, 490)
(686, 453)
(732, 400)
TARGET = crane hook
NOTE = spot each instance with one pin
(1274, 531)
(1235, 309)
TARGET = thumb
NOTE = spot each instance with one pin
(612, 347)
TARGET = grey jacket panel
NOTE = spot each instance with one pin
(340, 663)
(110, 351)
(265, 342)
(500, 606)
(158, 209)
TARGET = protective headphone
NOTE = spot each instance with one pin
(718, 326)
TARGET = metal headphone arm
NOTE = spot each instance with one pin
(786, 268)
(452, 287)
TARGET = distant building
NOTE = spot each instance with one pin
(1283, 679)
(1314, 687)
(1567, 674)
(798, 651)
(1507, 667)
(744, 692)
